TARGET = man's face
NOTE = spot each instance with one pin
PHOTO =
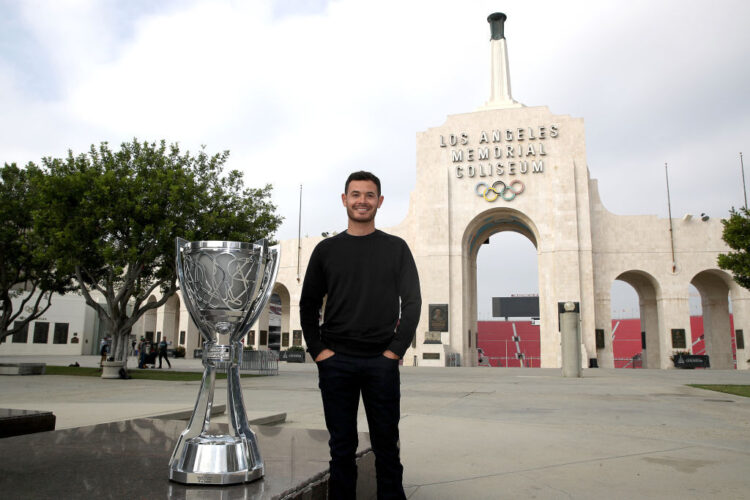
(362, 201)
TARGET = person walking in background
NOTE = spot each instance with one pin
(141, 352)
(372, 310)
(163, 352)
(103, 350)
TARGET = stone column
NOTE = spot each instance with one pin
(183, 325)
(717, 331)
(651, 354)
(603, 305)
(159, 324)
(674, 312)
(261, 325)
(570, 330)
(741, 320)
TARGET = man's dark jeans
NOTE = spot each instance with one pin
(341, 380)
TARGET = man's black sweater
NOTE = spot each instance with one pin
(362, 278)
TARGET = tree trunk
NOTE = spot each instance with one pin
(121, 351)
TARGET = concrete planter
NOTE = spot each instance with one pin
(111, 369)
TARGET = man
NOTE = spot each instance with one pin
(372, 309)
(163, 352)
(103, 350)
(141, 352)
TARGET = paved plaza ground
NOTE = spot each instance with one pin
(483, 433)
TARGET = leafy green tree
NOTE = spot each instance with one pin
(113, 217)
(27, 270)
(737, 235)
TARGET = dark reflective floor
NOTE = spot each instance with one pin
(129, 459)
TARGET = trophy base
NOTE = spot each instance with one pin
(215, 460)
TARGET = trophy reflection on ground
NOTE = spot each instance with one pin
(225, 285)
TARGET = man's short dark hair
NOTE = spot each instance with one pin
(362, 176)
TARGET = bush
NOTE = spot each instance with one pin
(179, 352)
(677, 354)
(296, 348)
(248, 348)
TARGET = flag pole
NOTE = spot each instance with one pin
(299, 233)
(669, 206)
(744, 189)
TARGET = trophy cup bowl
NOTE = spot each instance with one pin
(225, 286)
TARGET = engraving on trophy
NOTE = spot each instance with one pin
(225, 286)
(219, 353)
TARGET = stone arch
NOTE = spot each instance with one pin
(714, 287)
(478, 230)
(170, 327)
(648, 290)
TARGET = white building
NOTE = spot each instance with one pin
(69, 326)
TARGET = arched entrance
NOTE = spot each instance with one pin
(627, 335)
(714, 286)
(507, 267)
(477, 232)
(647, 289)
(171, 320)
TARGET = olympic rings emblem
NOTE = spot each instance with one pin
(499, 190)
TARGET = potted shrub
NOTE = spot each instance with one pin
(295, 354)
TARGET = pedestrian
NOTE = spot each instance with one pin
(163, 352)
(371, 313)
(103, 350)
(141, 352)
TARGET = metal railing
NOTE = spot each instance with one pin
(453, 359)
(634, 362)
(516, 361)
(264, 362)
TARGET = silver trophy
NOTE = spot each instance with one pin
(225, 285)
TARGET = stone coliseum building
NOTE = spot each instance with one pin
(509, 167)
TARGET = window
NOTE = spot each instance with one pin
(61, 333)
(182, 337)
(41, 332)
(23, 336)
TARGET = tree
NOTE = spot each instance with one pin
(113, 217)
(737, 235)
(27, 270)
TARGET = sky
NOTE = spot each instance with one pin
(305, 92)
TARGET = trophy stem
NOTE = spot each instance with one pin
(203, 458)
(201, 417)
(237, 415)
